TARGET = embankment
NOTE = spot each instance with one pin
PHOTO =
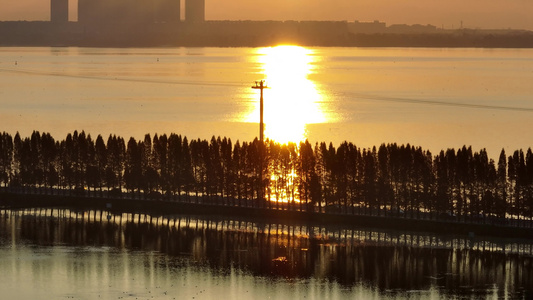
(159, 207)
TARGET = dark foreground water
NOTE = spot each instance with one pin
(62, 254)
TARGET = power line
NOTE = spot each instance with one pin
(440, 103)
(358, 95)
(105, 78)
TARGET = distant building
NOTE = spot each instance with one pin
(367, 27)
(128, 11)
(59, 11)
(96, 11)
(412, 29)
(195, 10)
(167, 11)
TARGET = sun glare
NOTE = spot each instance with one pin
(292, 100)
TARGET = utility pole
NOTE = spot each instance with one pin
(260, 85)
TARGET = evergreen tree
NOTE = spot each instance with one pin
(501, 194)
(330, 179)
(101, 160)
(49, 160)
(133, 173)
(6, 158)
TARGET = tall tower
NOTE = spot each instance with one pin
(195, 10)
(59, 11)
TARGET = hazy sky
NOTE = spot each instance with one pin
(448, 13)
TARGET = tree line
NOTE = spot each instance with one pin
(391, 179)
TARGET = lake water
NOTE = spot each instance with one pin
(435, 98)
(62, 254)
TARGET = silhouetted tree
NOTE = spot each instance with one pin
(133, 175)
(49, 149)
(160, 158)
(150, 178)
(27, 161)
(239, 181)
(16, 180)
(227, 181)
(333, 179)
(443, 196)
(341, 176)
(323, 166)
(369, 179)
(306, 173)
(501, 194)
(180, 168)
(353, 159)
(100, 160)
(385, 192)
(34, 166)
(528, 199)
(199, 149)
(422, 179)
(6, 158)
(465, 175)
(215, 168)
(116, 150)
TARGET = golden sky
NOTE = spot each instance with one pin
(498, 14)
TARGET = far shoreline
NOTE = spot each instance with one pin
(236, 34)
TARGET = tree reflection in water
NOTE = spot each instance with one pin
(389, 261)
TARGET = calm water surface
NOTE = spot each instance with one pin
(62, 254)
(435, 98)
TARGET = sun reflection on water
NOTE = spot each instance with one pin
(292, 100)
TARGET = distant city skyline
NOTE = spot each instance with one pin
(496, 14)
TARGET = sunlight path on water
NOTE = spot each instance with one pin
(292, 101)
